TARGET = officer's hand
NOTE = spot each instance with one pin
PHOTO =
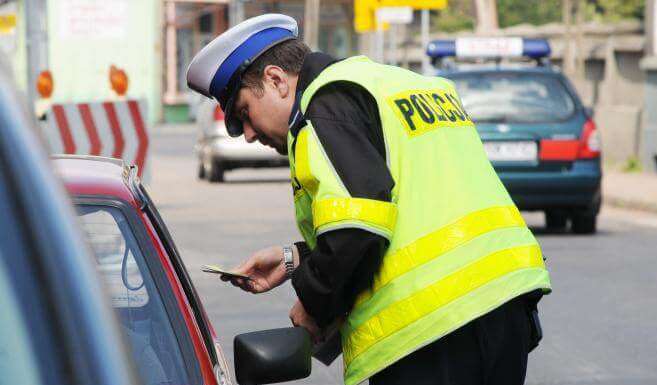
(299, 317)
(266, 269)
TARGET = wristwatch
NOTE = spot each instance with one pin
(288, 260)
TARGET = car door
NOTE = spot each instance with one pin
(54, 326)
(137, 278)
(211, 344)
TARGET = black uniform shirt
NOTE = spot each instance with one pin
(346, 119)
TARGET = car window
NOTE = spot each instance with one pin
(134, 295)
(18, 363)
(512, 97)
(185, 281)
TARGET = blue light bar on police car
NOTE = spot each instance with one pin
(497, 47)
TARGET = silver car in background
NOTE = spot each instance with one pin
(217, 152)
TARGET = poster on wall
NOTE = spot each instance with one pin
(8, 26)
(93, 19)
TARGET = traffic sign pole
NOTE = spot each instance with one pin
(379, 42)
(37, 45)
(426, 65)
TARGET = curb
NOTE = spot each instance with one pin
(625, 203)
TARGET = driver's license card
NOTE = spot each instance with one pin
(214, 269)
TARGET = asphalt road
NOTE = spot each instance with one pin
(600, 323)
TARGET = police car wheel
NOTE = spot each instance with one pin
(584, 223)
(555, 220)
(216, 172)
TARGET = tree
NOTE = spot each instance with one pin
(615, 10)
(536, 12)
(460, 15)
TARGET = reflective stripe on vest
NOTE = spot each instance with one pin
(441, 241)
(447, 289)
(331, 213)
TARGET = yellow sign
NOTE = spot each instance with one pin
(365, 10)
(364, 15)
(415, 4)
(7, 24)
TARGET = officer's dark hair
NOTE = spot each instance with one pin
(288, 55)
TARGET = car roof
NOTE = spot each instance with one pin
(97, 176)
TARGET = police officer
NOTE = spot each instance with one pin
(411, 241)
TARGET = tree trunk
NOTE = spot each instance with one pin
(486, 16)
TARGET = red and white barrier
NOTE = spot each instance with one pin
(114, 129)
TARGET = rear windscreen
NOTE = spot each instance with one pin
(511, 97)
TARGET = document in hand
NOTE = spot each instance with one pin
(214, 269)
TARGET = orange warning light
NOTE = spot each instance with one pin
(45, 84)
(118, 80)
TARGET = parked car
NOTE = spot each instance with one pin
(172, 340)
(539, 136)
(56, 326)
(217, 152)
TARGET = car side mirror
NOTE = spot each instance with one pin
(270, 356)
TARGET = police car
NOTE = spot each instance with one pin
(539, 136)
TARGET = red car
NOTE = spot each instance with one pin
(152, 294)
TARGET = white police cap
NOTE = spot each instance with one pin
(216, 70)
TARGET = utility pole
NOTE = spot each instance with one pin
(380, 42)
(235, 12)
(579, 39)
(426, 64)
(393, 45)
(573, 54)
(648, 141)
(171, 89)
(651, 28)
(311, 24)
(568, 58)
(486, 16)
(37, 45)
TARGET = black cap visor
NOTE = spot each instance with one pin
(228, 99)
(231, 119)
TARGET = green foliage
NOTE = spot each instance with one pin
(536, 12)
(632, 164)
(615, 10)
(460, 14)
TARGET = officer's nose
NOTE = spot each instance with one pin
(249, 133)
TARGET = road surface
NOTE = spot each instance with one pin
(600, 323)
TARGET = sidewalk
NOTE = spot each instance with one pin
(630, 190)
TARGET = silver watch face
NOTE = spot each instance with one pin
(288, 260)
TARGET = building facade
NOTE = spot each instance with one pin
(82, 39)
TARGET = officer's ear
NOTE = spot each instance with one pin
(276, 77)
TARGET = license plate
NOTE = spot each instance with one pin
(511, 151)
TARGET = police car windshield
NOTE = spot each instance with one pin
(512, 97)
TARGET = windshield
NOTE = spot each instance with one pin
(506, 97)
(134, 296)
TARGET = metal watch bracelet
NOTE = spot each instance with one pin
(288, 260)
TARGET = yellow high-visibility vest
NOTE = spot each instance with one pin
(458, 245)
